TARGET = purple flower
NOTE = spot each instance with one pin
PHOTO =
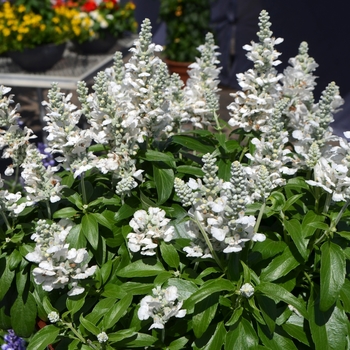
(13, 342)
(48, 160)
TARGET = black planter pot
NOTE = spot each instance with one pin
(38, 59)
(95, 46)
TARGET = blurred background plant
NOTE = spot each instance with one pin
(28, 24)
(187, 23)
(96, 19)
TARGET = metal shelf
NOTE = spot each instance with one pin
(73, 67)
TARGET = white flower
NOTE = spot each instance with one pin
(161, 306)
(247, 290)
(102, 337)
(53, 316)
(148, 229)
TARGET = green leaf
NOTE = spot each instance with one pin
(125, 211)
(136, 288)
(192, 144)
(190, 170)
(291, 200)
(279, 266)
(277, 292)
(242, 337)
(141, 268)
(73, 197)
(164, 180)
(140, 340)
(185, 288)
(89, 325)
(328, 329)
(89, 227)
(76, 238)
(204, 314)
(112, 290)
(345, 295)
(295, 231)
(155, 156)
(332, 274)
(275, 341)
(232, 145)
(208, 288)
(43, 338)
(295, 328)
(178, 344)
(100, 309)
(116, 312)
(268, 310)
(169, 254)
(23, 314)
(216, 341)
(344, 234)
(235, 317)
(121, 335)
(224, 169)
(74, 304)
(6, 278)
(278, 201)
(64, 213)
(14, 259)
(21, 280)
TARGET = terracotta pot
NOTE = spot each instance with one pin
(38, 59)
(180, 68)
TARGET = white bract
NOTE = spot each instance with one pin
(148, 229)
(161, 306)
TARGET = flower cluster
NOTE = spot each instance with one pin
(149, 227)
(32, 24)
(13, 342)
(161, 306)
(58, 265)
(95, 18)
(218, 221)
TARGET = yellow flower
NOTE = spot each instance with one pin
(21, 8)
(42, 27)
(19, 37)
(55, 20)
(6, 32)
(109, 5)
(130, 6)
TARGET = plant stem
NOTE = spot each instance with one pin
(79, 336)
(5, 220)
(340, 214)
(14, 183)
(327, 203)
(48, 209)
(83, 189)
(207, 241)
(261, 213)
(218, 126)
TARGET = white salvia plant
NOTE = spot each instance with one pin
(65, 137)
(13, 138)
(58, 265)
(201, 91)
(148, 229)
(40, 183)
(161, 306)
(260, 89)
(218, 221)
